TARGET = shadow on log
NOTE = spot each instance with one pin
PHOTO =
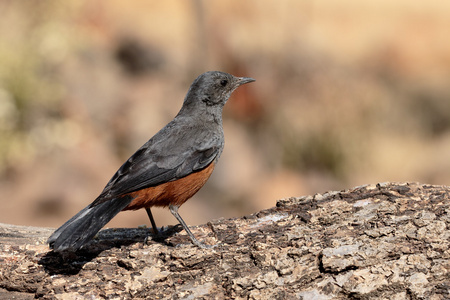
(385, 241)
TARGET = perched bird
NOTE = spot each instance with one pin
(167, 170)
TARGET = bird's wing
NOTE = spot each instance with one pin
(159, 161)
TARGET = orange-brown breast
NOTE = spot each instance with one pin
(173, 192)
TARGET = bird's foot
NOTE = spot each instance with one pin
(162, 234)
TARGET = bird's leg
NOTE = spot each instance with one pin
(150, 216)
(155, 229)
(174, 211)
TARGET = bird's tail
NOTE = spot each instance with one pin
(82, 227)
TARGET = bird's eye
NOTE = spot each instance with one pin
(223, 82)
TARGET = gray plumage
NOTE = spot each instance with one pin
(189, 143)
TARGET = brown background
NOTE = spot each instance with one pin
(347, 93)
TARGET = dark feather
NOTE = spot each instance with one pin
(162, 160)
(84, 225)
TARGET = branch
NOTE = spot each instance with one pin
(376, 241)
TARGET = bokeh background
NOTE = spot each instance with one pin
(347, 93)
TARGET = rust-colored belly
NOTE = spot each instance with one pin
(174, 192)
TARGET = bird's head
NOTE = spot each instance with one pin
(212, 89)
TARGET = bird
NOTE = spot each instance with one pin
(167, 170)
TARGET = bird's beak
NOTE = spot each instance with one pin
(244, 80)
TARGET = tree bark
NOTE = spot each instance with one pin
(384, 241)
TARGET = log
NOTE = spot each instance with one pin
(383, 241)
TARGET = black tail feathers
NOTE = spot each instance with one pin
(82, 227)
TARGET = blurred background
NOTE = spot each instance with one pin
(346, 93)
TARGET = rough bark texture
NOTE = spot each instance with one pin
(385, 241)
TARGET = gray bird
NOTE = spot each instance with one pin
(167, 170)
